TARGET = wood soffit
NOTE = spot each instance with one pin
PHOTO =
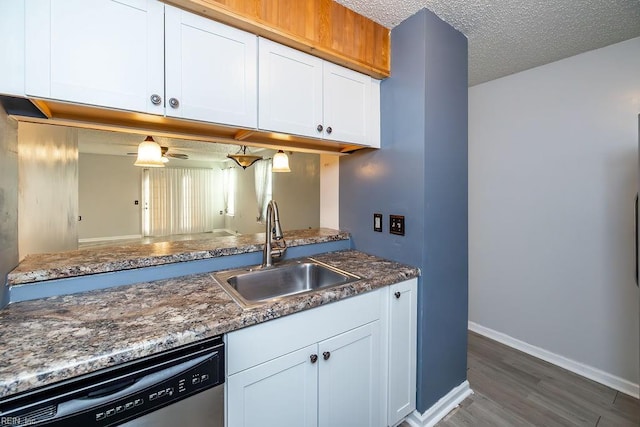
(322, 28)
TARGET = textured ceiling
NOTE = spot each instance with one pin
(507, 36)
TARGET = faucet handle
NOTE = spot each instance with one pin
(278, 252)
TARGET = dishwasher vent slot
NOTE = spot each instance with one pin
(36, 416)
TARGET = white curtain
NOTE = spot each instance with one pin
(229, 190)
(179, 201)
(264, 186)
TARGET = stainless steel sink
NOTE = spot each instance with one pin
(259, 285)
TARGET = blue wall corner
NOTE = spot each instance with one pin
(421, 172)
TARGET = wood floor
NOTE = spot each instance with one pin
(514, 389)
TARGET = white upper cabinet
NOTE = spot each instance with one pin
(347, 97)
(211, 70)
(12, 47)
(105, 53)
(290, 98)
(145, 56)
(124, 54)
(304, 95)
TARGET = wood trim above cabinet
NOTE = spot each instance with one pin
(92, 117)
(322, 28)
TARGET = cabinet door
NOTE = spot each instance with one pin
(290, 90)
(347, 99)
(349, 378)
(402, 350)
(282, 392)
(103, 52)
(12, 47)
(211, 70)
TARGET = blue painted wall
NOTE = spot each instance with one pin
(421, 172)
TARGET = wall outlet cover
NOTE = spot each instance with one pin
(377, 222)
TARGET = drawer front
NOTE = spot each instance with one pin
(257, 344)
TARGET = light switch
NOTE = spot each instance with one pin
(377, 222)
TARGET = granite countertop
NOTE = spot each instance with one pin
(59, 265)
(48, 340)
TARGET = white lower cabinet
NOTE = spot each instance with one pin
(403, 324)
(281, 392)
(349, 378)
(328, 366)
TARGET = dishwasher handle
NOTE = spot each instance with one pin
(87, 402)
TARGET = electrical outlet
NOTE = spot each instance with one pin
(377, 222)
(396, 224)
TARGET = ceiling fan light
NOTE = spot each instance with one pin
(243, 159)
(149, 154)
(280, 162)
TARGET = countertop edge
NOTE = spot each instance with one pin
(87, 266)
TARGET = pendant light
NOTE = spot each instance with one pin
(149, 154)
(280, 162)
(243, 159)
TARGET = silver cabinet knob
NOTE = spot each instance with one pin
(174, 103)
(397, 294)
(156, 99)
(329, 130)
(326, 355)
(319, 128)
(314, 358)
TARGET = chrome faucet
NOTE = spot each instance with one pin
(274, 246)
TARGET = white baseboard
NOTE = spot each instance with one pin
(441, 408)
(100, 239)
(616, 383)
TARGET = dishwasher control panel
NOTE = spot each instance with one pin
(198, 378)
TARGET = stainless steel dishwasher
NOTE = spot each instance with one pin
(180, 387)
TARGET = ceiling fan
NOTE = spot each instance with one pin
(166, 153)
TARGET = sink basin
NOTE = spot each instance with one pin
(255, 286)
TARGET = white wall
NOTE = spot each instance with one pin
(47, 188)
(244, 220)
(329, 191)
(107, 190)
(8, 200)
(297, 194)
(553, 172)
